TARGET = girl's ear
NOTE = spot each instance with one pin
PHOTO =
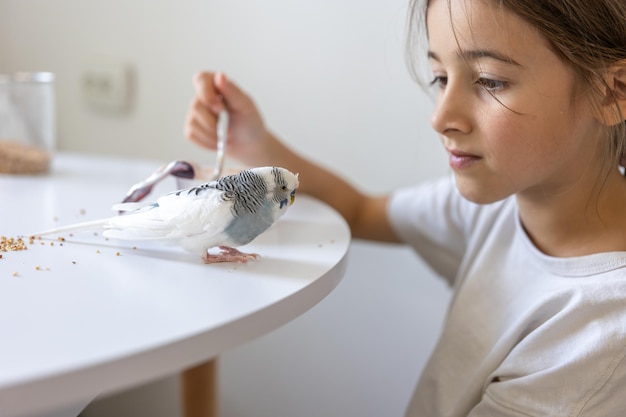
(615, 95)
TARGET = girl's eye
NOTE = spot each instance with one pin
(491, 85)
(439, 81)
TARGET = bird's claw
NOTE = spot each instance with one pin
(228, 254)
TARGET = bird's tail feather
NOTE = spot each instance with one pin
(123, 207)
(90, 225)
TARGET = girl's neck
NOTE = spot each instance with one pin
(575, 222)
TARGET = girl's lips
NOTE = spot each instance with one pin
(461, 160)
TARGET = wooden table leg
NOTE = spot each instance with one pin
(199, 390)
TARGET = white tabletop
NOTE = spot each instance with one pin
(89, 316)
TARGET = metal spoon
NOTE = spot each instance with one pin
(222, 136)
(178, 169)
(183, 169)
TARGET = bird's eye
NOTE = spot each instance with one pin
(284, 188)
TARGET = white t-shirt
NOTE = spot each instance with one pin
(526, 334)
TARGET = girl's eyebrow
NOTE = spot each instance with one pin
(475, 54)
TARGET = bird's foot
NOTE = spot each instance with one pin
(228, 254)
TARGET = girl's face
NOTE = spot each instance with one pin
(507, 109)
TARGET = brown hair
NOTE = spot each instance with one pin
(588, 35)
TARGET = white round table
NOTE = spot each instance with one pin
(89, 316)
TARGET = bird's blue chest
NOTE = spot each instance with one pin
(245, 227)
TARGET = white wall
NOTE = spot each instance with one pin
(330, 78)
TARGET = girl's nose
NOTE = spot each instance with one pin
(452, 111)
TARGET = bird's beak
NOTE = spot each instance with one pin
(292, 198)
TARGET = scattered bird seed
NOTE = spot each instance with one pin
(12, 244)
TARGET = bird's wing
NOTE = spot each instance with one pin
(175, 216)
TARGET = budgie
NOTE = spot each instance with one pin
(228, 212)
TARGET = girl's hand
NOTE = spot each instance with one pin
(248, 139)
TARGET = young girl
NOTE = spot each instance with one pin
(530, 232)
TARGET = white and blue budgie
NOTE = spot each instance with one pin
(228, 212)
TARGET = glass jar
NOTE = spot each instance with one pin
(27, 122)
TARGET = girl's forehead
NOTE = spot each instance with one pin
(480, 23)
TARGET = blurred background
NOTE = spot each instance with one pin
(330, 78)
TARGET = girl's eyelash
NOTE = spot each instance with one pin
(491, 85)
(439, 81)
